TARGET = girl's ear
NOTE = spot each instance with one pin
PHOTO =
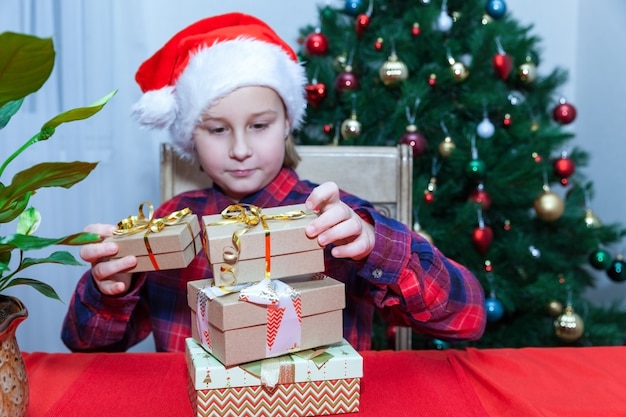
(287, 128)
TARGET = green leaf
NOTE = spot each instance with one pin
(58, 257)
(14, 197)
(78, 113)
(78, 239)
(10, 209)
(5, 258)
(26, 243)
(50, 174)
(25, 64)
(8, 110)
(28, 222)
(42, 287)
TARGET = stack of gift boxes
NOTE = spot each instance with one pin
(267, 333)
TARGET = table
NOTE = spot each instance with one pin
(524, 382)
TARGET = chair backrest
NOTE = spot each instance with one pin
(382, 175)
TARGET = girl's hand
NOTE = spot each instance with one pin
(338, 224)
(108, 274)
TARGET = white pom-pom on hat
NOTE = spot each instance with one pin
(156, 108)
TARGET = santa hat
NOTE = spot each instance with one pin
(206, 61)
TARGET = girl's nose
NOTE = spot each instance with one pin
(240, 148)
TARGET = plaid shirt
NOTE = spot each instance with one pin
(407, 279)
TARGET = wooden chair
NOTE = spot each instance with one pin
(380, 174)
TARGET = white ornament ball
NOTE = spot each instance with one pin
(444, 22)
(485, 129)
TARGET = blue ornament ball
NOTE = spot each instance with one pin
(496, 8)
(440, 344)
(353, 7)
(495, 309)
(617, 270)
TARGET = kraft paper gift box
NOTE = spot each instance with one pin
(237, 331)
(173, 246)
(280, 246)
(320, 381)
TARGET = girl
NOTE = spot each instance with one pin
(231, 93)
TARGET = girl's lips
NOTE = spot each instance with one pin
(241, 173)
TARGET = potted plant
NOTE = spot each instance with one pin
(25, 64)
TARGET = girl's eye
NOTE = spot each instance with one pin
(215, 130)
(260, 126)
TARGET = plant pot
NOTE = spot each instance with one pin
(13, 379)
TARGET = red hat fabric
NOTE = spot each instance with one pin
(206, 61)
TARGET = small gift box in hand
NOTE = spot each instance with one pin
(246, 244)
(159, 243)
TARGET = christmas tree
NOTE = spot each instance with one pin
(498, 186)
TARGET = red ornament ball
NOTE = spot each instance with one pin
(346, 80)
(316, 44)
(415, 140)
(432, 80)
(482, 238)
(415, 30)
(390, 334)
(502, 64)
(315, 93)
(564, 113)
(563, 167)
(327, 128)
(480, 196)
(506, 121)
(378, 45)
(362, 22)
(429, 197)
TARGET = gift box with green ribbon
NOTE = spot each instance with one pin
(168, 242)
(320, 381)
(246, 243)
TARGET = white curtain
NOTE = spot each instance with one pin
(100, 44)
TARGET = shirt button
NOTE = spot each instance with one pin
(377, 273)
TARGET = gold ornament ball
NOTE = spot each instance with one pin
(350, 128)
(446, 147)
(591, 220)
(393, 71)
(549, 206)
(459, 71)
(418, 229)
(555, 308)
(340, 62)
(527, 72)
(534, 126)
(569, 327)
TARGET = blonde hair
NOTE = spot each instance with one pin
(291, 154)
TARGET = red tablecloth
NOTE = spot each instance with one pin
(494, 382)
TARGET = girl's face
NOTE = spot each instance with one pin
(241, 140)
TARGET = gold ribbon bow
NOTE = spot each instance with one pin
(250, 216)
(148, 224)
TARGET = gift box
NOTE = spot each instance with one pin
(237, 331)
(166, 243)
(246, 243)
(320, 381)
